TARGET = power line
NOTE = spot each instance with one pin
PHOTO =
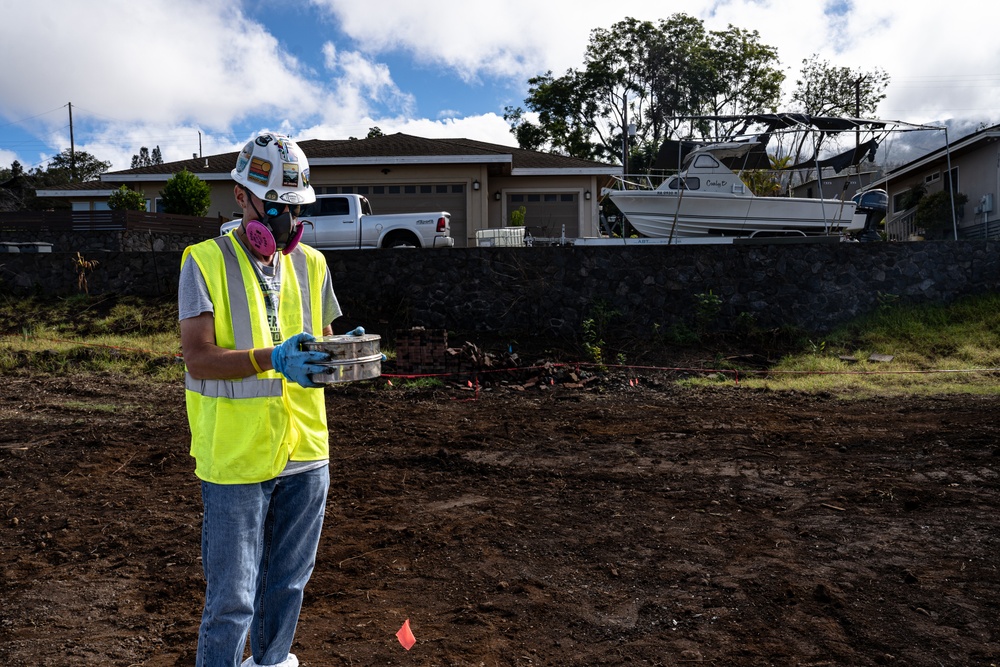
(18, 122)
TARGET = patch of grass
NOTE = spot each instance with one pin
(949, 348)
(90, 334)
(404, 384)
(140, 338)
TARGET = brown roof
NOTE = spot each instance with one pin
(388, 146)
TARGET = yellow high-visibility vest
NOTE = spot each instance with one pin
(246, 430)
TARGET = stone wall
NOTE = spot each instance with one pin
(552, 290)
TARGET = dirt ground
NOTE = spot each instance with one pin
(622, 522)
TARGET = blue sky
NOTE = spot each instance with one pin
(173, 73)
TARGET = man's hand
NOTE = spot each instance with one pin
(297, 364)
(359, 331)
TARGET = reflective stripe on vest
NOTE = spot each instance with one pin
(246, 388)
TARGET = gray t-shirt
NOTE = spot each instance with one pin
(193, 298)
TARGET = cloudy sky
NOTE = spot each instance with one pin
(196, 76)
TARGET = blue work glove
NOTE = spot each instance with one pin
(297, 364)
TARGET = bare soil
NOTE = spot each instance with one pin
(621, 522)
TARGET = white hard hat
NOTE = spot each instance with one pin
(274, 168)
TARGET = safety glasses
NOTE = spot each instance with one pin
(274, 209)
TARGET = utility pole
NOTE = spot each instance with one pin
(857, 110)
(72, 148)
(624, 134)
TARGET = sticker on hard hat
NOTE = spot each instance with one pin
(260, 171)
(290, 175)
(285, 150)
(244, 158)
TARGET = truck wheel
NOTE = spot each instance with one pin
(400, 241)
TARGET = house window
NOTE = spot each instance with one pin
(931, 178)
(951, 180)
(425, 189)
(899, 201)
(441, 189)
(410, 189)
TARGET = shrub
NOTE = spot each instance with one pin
(186, 194)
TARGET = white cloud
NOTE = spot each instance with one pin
(151, 61)
(489, 128)
(158, 71)
(135, 67)
(515, 38)
(360, 83)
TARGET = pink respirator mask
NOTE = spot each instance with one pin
(278, 230)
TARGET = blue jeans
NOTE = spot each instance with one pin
(258, 548)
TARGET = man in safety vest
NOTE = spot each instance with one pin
(247, 300)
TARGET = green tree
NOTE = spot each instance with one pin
(375, 131)
(826, 90)
(12, 187)
(75, 167)
(146, 159)
(745, 79)
(15, 170)
(823, 89)
(652, 76)
(124, 199)
(567, 115)
(186, 194)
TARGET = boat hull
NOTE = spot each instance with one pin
(666, 214)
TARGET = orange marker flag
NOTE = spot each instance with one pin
(405, 636)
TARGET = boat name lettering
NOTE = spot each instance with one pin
(717, 184)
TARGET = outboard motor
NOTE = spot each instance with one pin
(873, 204)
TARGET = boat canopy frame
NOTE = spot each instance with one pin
(766, 125)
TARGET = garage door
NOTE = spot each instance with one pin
(415, 198)
(547, 213)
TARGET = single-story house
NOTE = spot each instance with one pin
(843, 185)
(969, 165)
(479, 183)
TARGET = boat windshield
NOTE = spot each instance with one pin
(684, 183)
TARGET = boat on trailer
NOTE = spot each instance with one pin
(707, 201)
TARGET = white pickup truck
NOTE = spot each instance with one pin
(338, 222)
